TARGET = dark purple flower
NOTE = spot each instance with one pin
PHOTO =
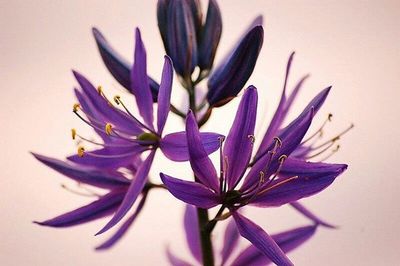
(287, 241)
(105, 205)
(273, 180)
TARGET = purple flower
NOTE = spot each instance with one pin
(105, 205)
(250, 255)
(274, 179)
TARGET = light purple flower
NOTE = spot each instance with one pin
(266, 184)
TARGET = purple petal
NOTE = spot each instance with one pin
(117, 65)
(191, 224)
(239, 142)
(228, 79)
(202, 166)
(133, 192)
(282, 109)
(164, 95)
(86, 175)
(110, 157)
(140, 83)
(175, 145)
(287, 241)
(231, 239)
(311, 179)
(108, 113)
(307, 213)
(261, 240)
(210, 36)
(122, 230)
(290, 137)
(175, 261)
(191, 192)
(100, 208)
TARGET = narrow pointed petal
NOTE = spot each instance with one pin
(311, 179)
(86, 175)
(175, 261)
(100, 208)
(239, 142)
(108, 113)
(181, 37)
(134, 190)
(175, 145)
(307, 213)
(123, 229)
(229, 78)
(291, 137)
(110, 157)
(231, 239)
(202, 166)
(119, 68)
(261, 240)
(140, 83)
(287, 241)
(210, 36)
(164, 95)
(192, 193)
(192, 233)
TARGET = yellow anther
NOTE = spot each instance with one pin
(73, 133)
(108, 128)
(76, 107)
(100, 90)
(117, 99)
(278, 141)
(81, 151)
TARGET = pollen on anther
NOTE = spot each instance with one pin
(108, 128)
(100, 90)
(76, 107)
(81, 151)
(117, 99)
(278, 141)
(73, 133)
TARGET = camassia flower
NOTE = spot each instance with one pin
(266, 184)
(107, 204)
(287, 241)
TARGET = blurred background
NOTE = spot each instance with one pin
(352, 45)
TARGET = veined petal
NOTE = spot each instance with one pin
(191, 225)
(231, 238)
(100, 208)
(307, 213)
(140, 83)
(287, 241)
(164, 95)
(110, 157)
(103, 107)
(123, 229)
(175, 261)
(82, 174)
(202, 166)
(290, 138)
(311, 179)
(229, 78)
(192, 193)
(239, 142)
(261, 240)
(210, 36)
(175, 145)
(117, 65)
(133, 192)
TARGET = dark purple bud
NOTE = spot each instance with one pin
(177, 21)
(117, 65)
(229, 78)
(210, 36)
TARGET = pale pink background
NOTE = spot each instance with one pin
(353, 45)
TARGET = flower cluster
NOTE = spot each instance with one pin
(275, 173)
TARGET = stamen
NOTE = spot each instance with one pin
(252, 138)
(108, 128)
(336, 138)
(277, 185)
(331, 153)
(116, 99)
(320, 131)
(101, 93)
(221, 164)
(73, 133)
(225, 170)
(88, 194)
(81, 151)
(278, 142)
(76, 107)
